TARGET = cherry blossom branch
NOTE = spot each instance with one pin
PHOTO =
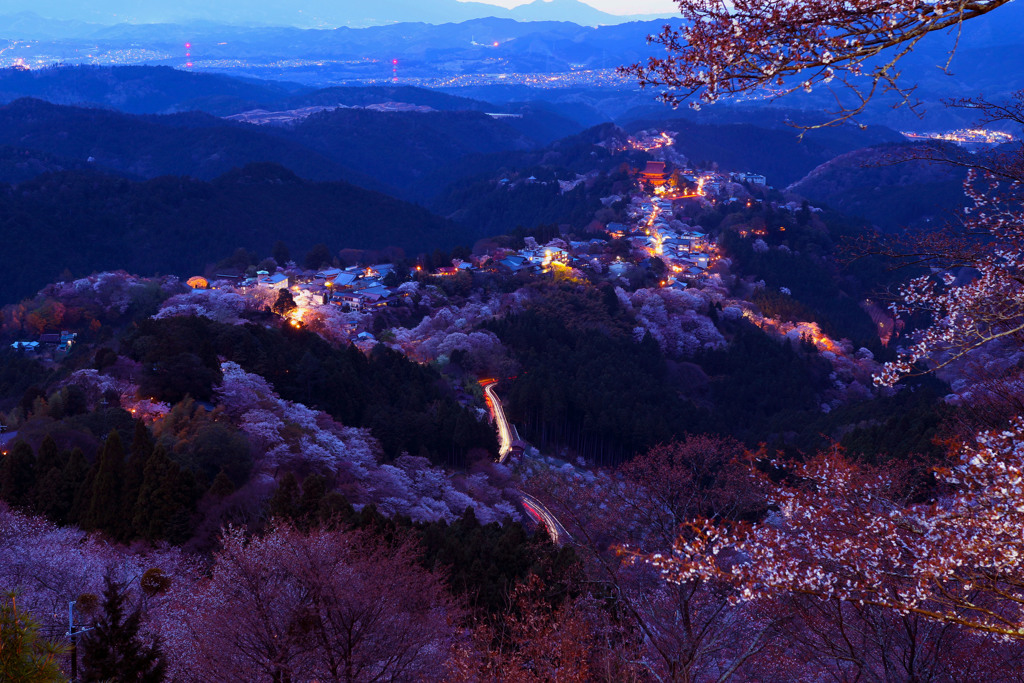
(734, 47)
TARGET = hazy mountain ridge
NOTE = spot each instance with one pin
(88, 221)
(776, 151)
(374, 149)
(874, 184)
(79, 19)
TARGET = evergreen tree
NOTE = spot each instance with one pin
(285, 302)
(318, 256)
(281, 253)
(113, 650)
(106, 509)
(49, 497)
(49, 456)
(18, 475)
(314, 488)
(76, 485)
(142, 448)
(24, 656)
(222, 487)
(166, 500)
(285, 501)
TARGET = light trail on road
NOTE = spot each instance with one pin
(533, 507)
(498, 411)
(536, 509)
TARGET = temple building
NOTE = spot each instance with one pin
(654, 173)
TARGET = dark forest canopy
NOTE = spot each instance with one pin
(85, 221)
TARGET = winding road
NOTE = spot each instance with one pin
(533, 507)
(498, 412)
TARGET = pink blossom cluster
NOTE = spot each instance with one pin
(285, 434)
(96, 384)
(451, 328)
(50, 566)
(219, 305)
(840, 533)
(111, 292)
(676, 320)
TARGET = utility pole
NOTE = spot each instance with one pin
(72, 633)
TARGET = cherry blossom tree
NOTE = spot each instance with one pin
(676, 320)
(986, 306)
(50, 566)
(290, 436)
(724, 48)
(687, 630)
(842, 533)
(216, 304)
(328, 606)
(537, 643)
(98, 385)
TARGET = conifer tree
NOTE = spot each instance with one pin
(18, 475)
(222, 487)
(113, 650)
(107, 504)
(281, 253)
(314, 488)
(77, 480)
(285, 501)
(285, 302)
(24, 656)
(142, 449)
(165, 501)
(49, 456)
(49, 497)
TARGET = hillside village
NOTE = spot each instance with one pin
(653, 236)
(656, 243)
(665, 268)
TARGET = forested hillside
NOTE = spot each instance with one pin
(83, 222)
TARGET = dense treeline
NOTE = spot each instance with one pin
(84, 222)
(139, 492)
(868, 184)
(404, 404)
(756, 378)
(397, 148)
(499, 209)
(139, 89)
(587, 383)
(449, 188)
(127, 493)
(193, 144)
(18, 372)
(588, 386)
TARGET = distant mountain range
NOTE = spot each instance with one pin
(492, 58)
(385, 151)
(78, 19)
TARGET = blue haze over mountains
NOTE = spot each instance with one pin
(120, 129)
(73, 15)
(990, 50)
